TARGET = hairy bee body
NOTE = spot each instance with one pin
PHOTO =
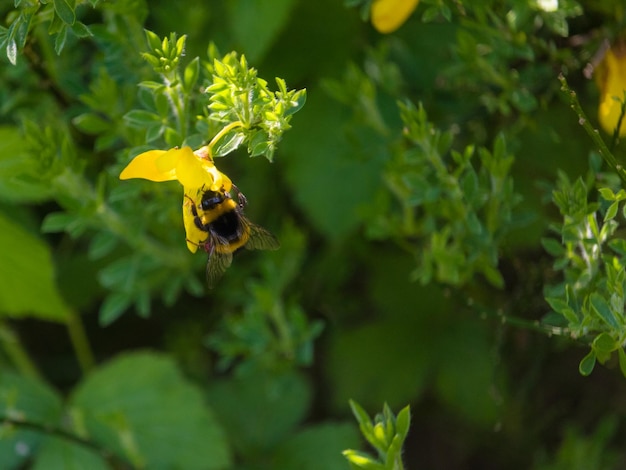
(227, 230)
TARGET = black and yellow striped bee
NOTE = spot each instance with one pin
(221, 219)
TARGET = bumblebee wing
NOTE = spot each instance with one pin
(261, 239)
(216, 266)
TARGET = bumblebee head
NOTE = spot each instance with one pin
(211, 199)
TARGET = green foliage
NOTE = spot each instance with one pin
(59, 15)
(459, 213)
(172, 107)
(581, 451)
(262, 410)
(242, 101)
(24, 400)
(140, 408)
(591, 299)
(271, 330)
(421, 155)
(26, 262)
(386, 434)
(255, 25)
(136, 409)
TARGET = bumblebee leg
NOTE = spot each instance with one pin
(196, 218)
(205, 245)
(243, 200)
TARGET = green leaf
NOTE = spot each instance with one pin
(362, 460)
(228, 143)
(361, 415)
(277, 401)
(603, 310)
(17, 168)
(55, 25)
(587, 364)
(298, 100)
(403, 422)
(71, 223)
(26, 400)
(607, 193)
(140, 406)
(622, 361)
(430, 14)
(60, 454)
(257, 24)
(65, 11)
(113, 306)
(81, 30)
(611, 212)
(604, 343)
(91, 123)
(560, 306)
(140, 118)
(27, 273)
(59, 42)
(493, 276)
(12, 51)
(322, 154)
(102, 244)
(316, 447)
(18, 30)
(190, 76)
(56, 222)
(153, 40)
(463, 379)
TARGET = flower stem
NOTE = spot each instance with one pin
(277, 317)
(79, 340)
(221, 134)
(16, 352)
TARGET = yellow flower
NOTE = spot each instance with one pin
(611, 79)
(194, 170)
(389, 15)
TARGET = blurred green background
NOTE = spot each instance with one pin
(485, 392)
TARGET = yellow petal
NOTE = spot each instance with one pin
(144, 166)
(168, 160)
(195, 236)
(194, 172)
(389, 15)
(612, 87)
(221, 182)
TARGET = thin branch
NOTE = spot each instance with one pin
(80, 342)
(604, 151)
(13, 348)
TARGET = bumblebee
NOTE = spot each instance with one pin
(227, 229)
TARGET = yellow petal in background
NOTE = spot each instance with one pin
(389, 15)
(612, 83)
(145, 166)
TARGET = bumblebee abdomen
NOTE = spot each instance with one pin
(230, 230)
